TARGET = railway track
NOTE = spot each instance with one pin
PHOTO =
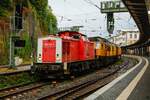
(80, 89)
(75, 89)
(14, 91)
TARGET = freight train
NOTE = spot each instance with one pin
(70, 53)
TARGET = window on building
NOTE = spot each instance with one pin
(130, 35)
(135, 36)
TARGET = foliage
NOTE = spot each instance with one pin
(5, 5)
(47, 19)
(25, 52)
(21, 78)
(45, 22)
(48, 22)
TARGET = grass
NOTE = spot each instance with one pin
(21, 78)
(25, 61)
(7, 70)
(119, 62)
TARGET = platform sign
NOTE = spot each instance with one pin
(112, 6)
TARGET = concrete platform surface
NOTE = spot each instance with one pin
(142, 89)
(7, 70)
(132, 85)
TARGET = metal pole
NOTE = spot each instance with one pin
(11, 45)
(12, 60)
(10, 55)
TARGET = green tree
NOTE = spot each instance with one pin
(5, 5)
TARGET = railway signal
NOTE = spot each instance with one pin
(110, 7)
(18, 17)
(16, 28)
(15, 42)
(19, 43)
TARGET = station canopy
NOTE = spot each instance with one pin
(139, 10)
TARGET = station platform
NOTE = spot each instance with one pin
(132, 85)
(7, 70)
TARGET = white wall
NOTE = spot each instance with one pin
(123, 38)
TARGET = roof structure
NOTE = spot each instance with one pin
(70, 33)
(138, 10)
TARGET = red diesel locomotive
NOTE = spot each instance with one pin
(67, 53)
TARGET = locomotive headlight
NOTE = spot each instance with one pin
(58, 57)
(39, 58)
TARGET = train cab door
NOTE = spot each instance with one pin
(49, 51)
(66, 51)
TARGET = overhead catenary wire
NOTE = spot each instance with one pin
(129, 20)
(72, 6)
(63, 18)
(92, 3)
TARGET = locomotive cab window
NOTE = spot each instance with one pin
(76, 36)
(102, 46)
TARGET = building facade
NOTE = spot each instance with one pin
(125, 37)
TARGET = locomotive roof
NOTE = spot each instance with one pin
(70, 33)
(97, 38)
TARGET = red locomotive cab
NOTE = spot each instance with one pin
(49, 50)
(76, 47)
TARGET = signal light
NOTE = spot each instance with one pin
(18, 16)
(19, 43)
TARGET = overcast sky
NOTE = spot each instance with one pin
(79, 12)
